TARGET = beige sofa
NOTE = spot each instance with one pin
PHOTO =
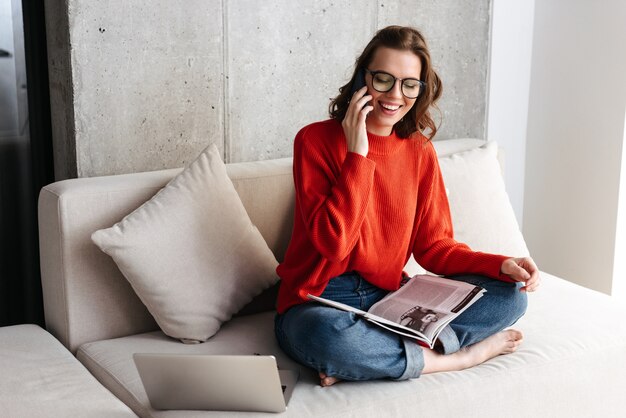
(571, 363)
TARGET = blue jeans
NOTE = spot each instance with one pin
(347, 347)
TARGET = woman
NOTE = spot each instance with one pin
(369, 193)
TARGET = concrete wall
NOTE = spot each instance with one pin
(576, 139)
(140, 85)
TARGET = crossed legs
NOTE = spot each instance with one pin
(341, 346)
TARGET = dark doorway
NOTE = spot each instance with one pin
(25, 156)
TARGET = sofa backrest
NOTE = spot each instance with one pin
(86, 298)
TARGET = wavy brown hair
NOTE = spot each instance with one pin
(403, 38)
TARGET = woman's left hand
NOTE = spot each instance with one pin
(522, 269)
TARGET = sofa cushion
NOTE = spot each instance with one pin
(571, 363)
(482, 215)
(191, 253)
(111, 360)
(40, 378)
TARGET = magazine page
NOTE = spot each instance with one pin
(337, 305)
(380, 321)
(399, 329)
(427, 303)
(420, 309)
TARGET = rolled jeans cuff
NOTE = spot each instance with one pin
(449, 341)
(414, 359)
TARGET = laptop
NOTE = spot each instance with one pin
(215, 382)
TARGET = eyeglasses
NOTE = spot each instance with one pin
(384, 82)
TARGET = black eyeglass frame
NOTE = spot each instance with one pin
(402, 80)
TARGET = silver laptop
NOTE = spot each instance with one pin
(215, 382)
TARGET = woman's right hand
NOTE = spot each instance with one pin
(354, 122)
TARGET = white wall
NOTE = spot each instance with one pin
(619, 269)
(509, 84)
(575, 138)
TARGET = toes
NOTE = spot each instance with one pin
(328, 381)
(512, 345)
(513, 335)
(512, 340)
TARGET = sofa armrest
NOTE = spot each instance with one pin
(86, 298)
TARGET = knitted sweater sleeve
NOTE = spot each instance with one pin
(434, 247)
(332, 194)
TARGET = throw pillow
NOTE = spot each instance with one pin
(482, 215)
(191, 253)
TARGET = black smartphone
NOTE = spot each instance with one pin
(359, 81)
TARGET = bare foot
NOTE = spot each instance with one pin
(327, 380)
(504, 342)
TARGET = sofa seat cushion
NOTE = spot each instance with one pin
(41, 378)
(571, 363)
(111, 360)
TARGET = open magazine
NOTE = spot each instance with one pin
(420, 309)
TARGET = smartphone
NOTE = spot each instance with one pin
(359, 81)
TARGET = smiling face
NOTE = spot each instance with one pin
(391, 106)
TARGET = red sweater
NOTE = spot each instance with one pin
(369, 214)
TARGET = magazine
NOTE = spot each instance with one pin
(420, 309)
